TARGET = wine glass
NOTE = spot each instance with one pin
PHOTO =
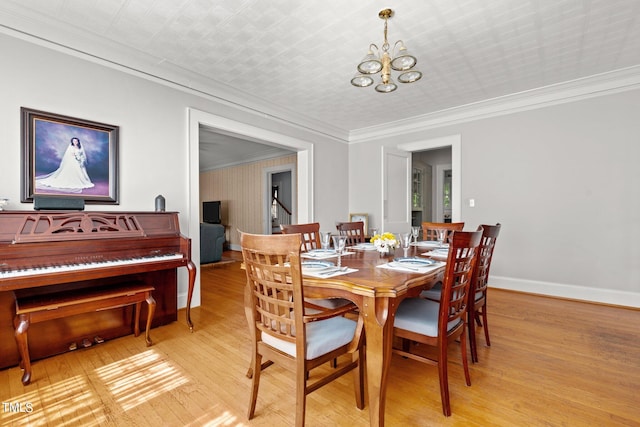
(415, 231)
(405, 242)
(373, 232)
(441, 234)
(339, 243)
(325, 239)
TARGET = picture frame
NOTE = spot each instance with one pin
(354, 217)
(68, 157)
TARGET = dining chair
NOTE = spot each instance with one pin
(477, 306)
(353, 230)
(430, 232)
(310, 234)
(421, 322)
(430, 229)
(286, 332)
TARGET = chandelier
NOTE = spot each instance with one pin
(381, 61)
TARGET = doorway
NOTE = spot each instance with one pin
(447, 151)
(433, 172)
(279, 197)
(304, 179)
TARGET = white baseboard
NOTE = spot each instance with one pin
(597, 295)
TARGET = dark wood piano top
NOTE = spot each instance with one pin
(38, 226)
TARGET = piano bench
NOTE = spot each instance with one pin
(36, 309)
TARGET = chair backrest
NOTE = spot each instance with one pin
(353, 230)
(310, 234)
(274, 286)
(480, 276)
(463, 248)
(430, 229)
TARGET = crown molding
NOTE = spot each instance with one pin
(113, 55)
(588, 87)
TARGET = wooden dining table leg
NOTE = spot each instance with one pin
(378, 323)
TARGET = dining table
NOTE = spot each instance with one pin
(376, 283)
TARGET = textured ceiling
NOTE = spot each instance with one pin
(222, 150)
(294, 59)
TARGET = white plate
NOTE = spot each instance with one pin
(414, 262)
(312, 266)
(442, 251)
(321, 251)
(365, 246)
(429, 244)
(441, 254)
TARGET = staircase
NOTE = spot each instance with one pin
(280, 214)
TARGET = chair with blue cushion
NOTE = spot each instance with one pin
(286, 332)
(310, 234)
(477, 308)
(430, 232)
(478, 293)
(421, 322)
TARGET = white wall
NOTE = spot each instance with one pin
(155, 154)
(562, 180)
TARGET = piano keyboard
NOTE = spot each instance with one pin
(34, 271)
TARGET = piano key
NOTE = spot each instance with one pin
(34, 271)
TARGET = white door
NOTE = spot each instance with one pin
(396, 190)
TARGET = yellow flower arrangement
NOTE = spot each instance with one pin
(385, 242)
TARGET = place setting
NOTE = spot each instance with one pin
(411, 264)
(364, 247)
(326, 269)
(325, 251)
(429, 244)
(320, 254)
(440, 254)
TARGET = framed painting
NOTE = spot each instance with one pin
(68, 157)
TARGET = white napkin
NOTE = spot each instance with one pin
(439, 254)
(323, 255)
(330, 272)
(429, 244)
(364, 247)
(410, 268)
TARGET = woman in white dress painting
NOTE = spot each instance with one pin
(71, 176)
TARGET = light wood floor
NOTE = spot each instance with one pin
(552, 363)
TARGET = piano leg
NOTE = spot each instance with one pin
(191, 267)
(21, 323)
(151, 308)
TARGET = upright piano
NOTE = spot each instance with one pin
(47, 252)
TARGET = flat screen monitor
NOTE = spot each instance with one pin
(211, 212)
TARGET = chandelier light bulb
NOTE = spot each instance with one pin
(370, 64)
(361, 80)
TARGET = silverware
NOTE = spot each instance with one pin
(402, 267)
(333, 270)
